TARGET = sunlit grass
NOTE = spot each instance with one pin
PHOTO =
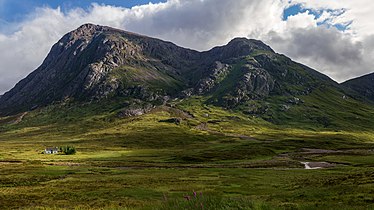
(132, 163)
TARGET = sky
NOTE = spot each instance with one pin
(331, 36)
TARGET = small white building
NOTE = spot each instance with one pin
(52, 150)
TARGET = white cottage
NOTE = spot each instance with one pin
(52, 150)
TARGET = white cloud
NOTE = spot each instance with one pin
(301, 20)
(358, 11)
(341, 55)
(202, 24)
(327, 50)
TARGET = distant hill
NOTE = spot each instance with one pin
(363, 85)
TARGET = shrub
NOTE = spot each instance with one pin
(68, 150)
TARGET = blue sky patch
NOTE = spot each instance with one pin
(298, 8)
(16, 10)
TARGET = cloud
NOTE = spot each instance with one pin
(328, 50)
(358, 11)
(202, 24)
(340, 54)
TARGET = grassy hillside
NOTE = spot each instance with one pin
(154, 161)
(301, 98)
(324, 108)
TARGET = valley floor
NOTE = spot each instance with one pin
(154, 162)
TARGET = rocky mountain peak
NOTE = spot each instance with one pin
(88, 29)
(248, 44)
(238, 47)
(84, 33)
(95, 62)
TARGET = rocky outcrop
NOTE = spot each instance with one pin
(134, 107)
(255, 83)
(216, 74)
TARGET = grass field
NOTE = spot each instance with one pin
(230, 160)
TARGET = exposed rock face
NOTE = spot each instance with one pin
(95, 62)
(256, 83)
(217, 73)
(363, 85)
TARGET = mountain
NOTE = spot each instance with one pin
(94, 62)
(363, 85)
(98, 63)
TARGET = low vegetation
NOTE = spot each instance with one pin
(68, 150)
(197, 201)
(231, 160)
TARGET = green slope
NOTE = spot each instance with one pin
(133, 163)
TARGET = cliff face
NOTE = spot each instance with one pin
(95, 62)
